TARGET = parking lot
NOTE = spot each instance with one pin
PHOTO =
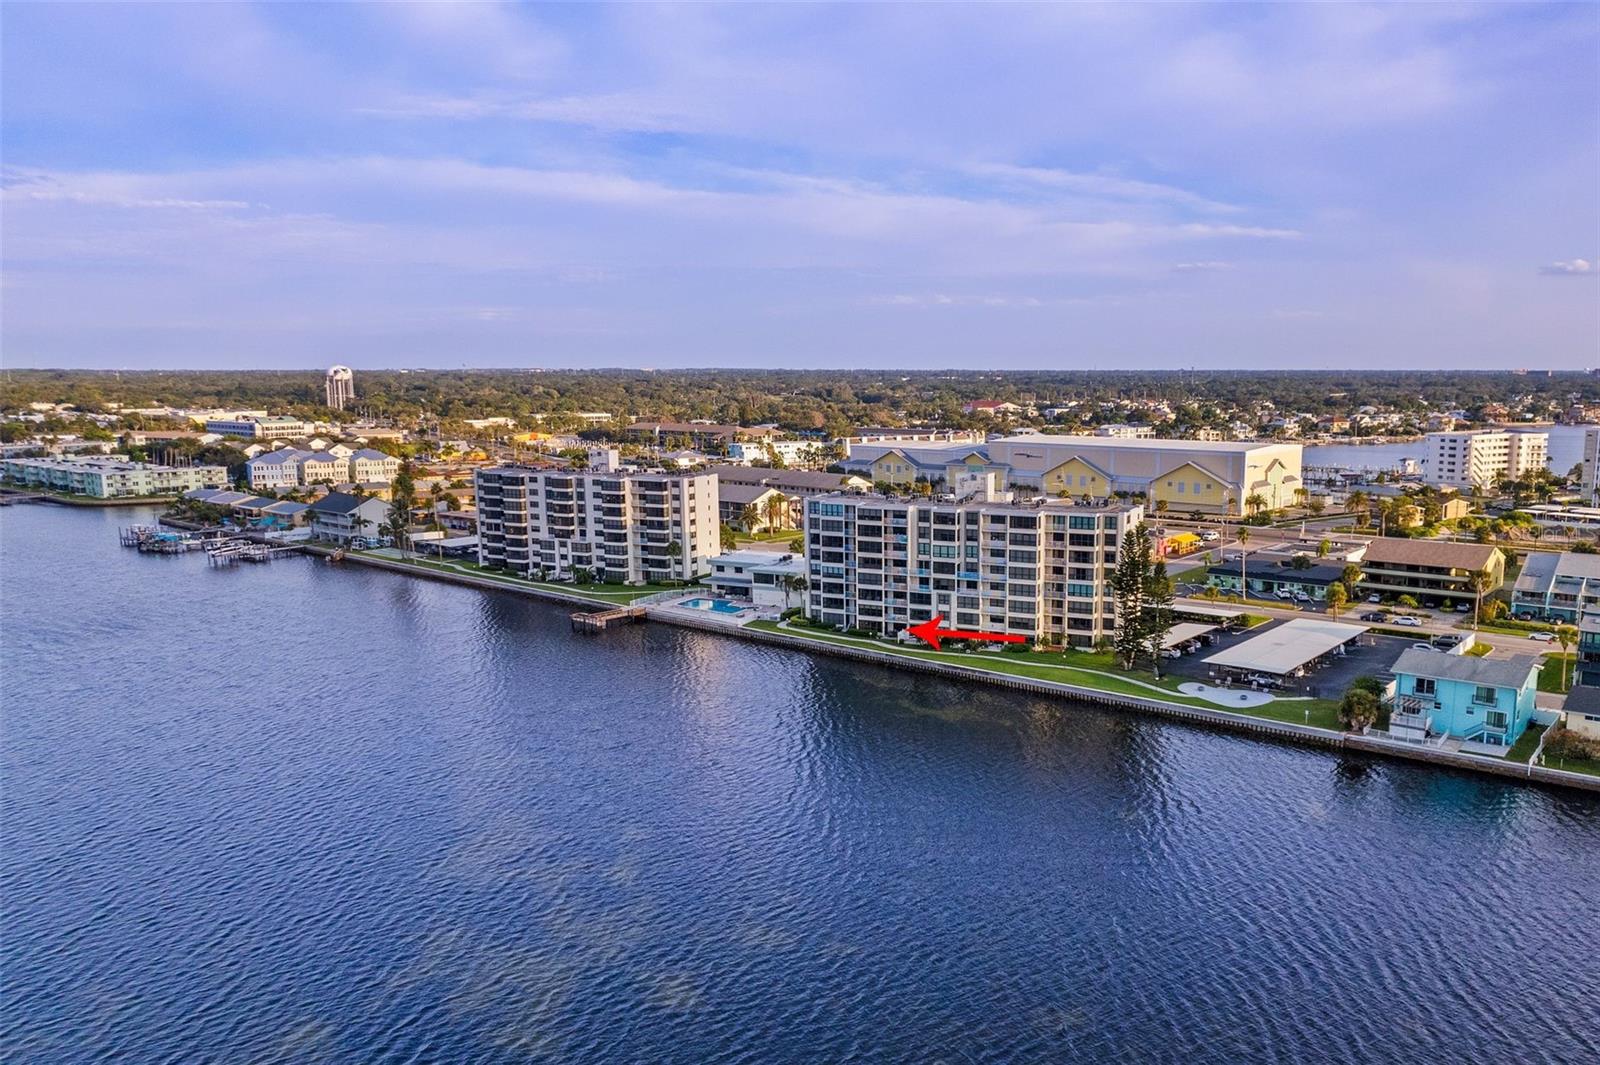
(1371, 656)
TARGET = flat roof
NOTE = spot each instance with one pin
(1147, 443)
(1222, 613)
(1285, 648)
(1185, 631)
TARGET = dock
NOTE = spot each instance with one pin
(234, 551)
(600, 620)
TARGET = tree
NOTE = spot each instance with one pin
(729, 537)
(1161, 506)
(1244, 538)
(1407, 601)
(792, 582)
(1350, 576)
(1255, 502)
(1129, 585)
(1157, 621)
(1566, 636)
(777, 507)
(749, 515)
(1358, 710)
(1337, 598)
(1301, 562)
(1323, 547)
(1479, 581)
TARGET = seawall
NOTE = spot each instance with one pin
(1282, 731)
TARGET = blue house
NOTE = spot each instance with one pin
(1442, 696)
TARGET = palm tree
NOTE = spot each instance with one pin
(1337, 598)
(1566, 636)
(777, 510)
(792, 582)
(1161, 506)
(1479, 581)
(1255, 502)
(1244, 538)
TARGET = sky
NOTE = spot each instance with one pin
(897, 186)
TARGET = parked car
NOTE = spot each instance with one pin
(1374, 598)
(1423, 647)
(1408, 621)
(1210, 535)
(1172, 652)
(1445, 641)
(1374, 615)
(1542, 637)
(1285, 594)
(1301, 597)
(1463, 608)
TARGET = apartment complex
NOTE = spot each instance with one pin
(1212, 477)
(1589, 479)
(1475, 460)
(1557, 586)
(290, 467)
(111, 477)
(621, 527)
(1039, 571)
(1429, 570)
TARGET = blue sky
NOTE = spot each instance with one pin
(987, 186)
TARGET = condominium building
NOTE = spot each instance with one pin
(1429, 571)
(111, 476)
(290, 467)
(1123, 431)
(1557, 586)
(340, 386)
(1039, 571)
(624, 527)
(1476, 460)
(1589, 479)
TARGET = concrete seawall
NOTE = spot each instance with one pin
(1216, 719)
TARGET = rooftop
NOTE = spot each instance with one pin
(1285, 648)
(1512, 672)
(1144, 444)
(1438, 554)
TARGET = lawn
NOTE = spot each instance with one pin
(1085, 669)
(1550, 671)
(773, 536)
(1526, 744)
(1572, 765)
(600, 593)
(1479, 649)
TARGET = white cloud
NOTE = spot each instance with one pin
(1569, 268)
(1203, 266)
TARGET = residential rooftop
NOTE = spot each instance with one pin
(1511, 672)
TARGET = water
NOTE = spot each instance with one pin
(303, 813)
(716, 606)
(1566, 450)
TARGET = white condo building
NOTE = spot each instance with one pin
(1589, 483)
(111, 477)
(340, 385)
(1039, 571)
(1478, 459)
(626, 527)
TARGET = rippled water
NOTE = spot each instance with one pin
(305, 813)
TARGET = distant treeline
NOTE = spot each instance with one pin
(832, 400)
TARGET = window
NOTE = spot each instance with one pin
(1484, 696)
(1423, 686)
(1495, 719)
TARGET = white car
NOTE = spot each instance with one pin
(1374, 598)
(1423, 647)
(1210, 535)
(1542, 637)
(1408, 621)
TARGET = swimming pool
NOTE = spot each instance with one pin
(716, 606)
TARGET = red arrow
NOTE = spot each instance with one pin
(929, 630)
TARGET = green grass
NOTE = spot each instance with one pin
(1479, 649)
(1550, 671)
(1514, 628)
(1073, 667)
(616, 594)
(1572, 765)
(775, 536)
(1526, 744)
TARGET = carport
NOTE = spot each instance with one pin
(1185, 631)
(1287, 650)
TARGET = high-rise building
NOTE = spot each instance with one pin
(1039, 571)
(1476, 460)
(626, 527)
(341, 386)
(1589, 479)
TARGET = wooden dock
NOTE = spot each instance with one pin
(600, 620)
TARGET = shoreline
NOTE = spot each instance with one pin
(1219, 719)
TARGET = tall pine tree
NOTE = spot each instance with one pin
(1129, 586)
(1158, 599)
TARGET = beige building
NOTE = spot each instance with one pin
(1038, 571)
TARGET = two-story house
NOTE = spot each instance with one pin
(1463, 697)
